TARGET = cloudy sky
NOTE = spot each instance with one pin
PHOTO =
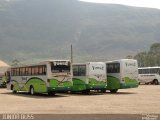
(138, 3)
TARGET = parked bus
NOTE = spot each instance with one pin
(3, 69)
(122, 74)
(89, 76)
(149, 75)
(46, 77)
(2, 80)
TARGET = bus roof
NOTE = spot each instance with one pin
(120, 60)
(46, 61)
(88, 63)
(40, 63)
(149, 67)
(54, 60)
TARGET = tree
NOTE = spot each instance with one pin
(149, 58)
(155, 48)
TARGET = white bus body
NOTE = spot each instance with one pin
(89, 76)
(46, 77)
(149, 75)
(121, 74)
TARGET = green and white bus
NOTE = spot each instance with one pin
(3, 78)
(46, 77)
(122, 74)
(89, 76)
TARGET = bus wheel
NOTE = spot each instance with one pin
(12, 88)
(14, 91)
(155, 82)
(86, 92)
(103, 91)
(51, 93)
(114, 90)
(32, 90)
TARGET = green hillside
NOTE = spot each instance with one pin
(32, 30)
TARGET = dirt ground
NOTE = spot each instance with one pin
(145, 99)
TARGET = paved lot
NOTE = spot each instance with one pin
(145, 99)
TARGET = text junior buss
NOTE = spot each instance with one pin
(18, 117)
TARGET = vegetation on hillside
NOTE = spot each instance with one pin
(149, 58)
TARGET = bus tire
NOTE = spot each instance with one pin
(103, 91)
(12, 88)
(31, 90)
(155, 82)
(73, 92)
(114, 90)
(14, 91)
(86, 92)
(51, 93)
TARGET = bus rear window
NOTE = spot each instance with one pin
(60, 67)
(113, 68)
(79, 70)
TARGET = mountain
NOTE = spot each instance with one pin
(32, 30)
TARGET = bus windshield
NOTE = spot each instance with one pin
(60, 66)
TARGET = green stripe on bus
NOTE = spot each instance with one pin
(38, 84)
(129, 83)
(79, 85)
(114, 83)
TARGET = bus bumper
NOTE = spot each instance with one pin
(59, 89)
(96, 87)
(125, 86)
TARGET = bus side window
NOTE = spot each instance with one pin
(117, 68)
(140, 71)
(32, 70)
(13, 72)
(23, 71)
(75, 70)
(82, 70)
(8, 76)
(26, 71)
(29, 71)
(44, 69)
(40, 70)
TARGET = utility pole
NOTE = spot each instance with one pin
(71, 54)
(71, 60)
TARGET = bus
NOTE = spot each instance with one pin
(46, 77)
(149, 75)
(2, 80)
(89, 76)
(122, 74)
(3, 77)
